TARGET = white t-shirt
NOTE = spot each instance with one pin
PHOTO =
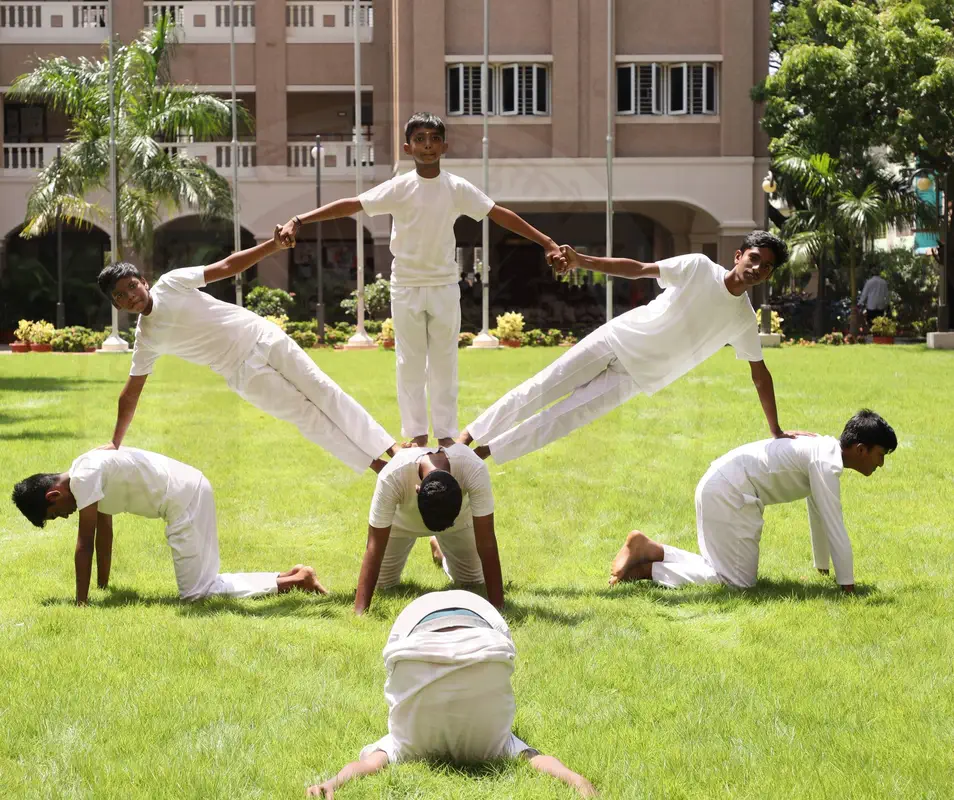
(195, 326)
(690, 321)
(395, 496)
(423, 212)
(134, 481)
(783, 470)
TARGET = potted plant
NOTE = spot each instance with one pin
(74, 339)
(386, 336)
(568, 340)
(510, 329)
(41, 336)
(883, 330)
(22, 335)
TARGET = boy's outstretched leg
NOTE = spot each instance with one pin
(300, 577)
(635, 558)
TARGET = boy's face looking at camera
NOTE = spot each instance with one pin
(425, 145)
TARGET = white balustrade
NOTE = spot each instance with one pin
(337, 158)
(20, 158)
(205, 21)
(219, 155)
(326, 21)
(49, 22)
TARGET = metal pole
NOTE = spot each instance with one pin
(360, 338)
(947, 273)
(236, 223)
(60, 308)
(765, 308)
(320, 263)
(114, 342)
(484, 338)
(609, 150)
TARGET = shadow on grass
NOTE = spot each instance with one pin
(480, 769)
(37, 435)
(46, 383)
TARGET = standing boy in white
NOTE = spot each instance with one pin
(102, 483)
(703, 308)
(732, 495)
(422, 492)
(449, 660)
(425, 295)
(257, 358)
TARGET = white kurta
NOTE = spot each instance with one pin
(730, 500)
(425, 298)
(147, 484)
(259, 362)
(449, 692)
(643, 350)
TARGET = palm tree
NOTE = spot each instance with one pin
(152, 177)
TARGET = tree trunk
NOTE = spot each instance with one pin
(820, 311)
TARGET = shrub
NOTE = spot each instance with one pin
(24, 331)
(534, 338)
(268, 302)
(835, 338)
(304, 339)
(74, 339)
(387, 331)
(42, 332)
(509, 326)
(776, 323)
(308, 325)
(465, 339)
(96, 338)
(372, 327)
(883, 326)
(569, 339)
(334, 336)
(553, 337)
(280, 320)
(377, 299)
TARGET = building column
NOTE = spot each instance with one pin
(129, 20)
(271, 101)
(2, 117)
(736, 108)
(565, 94)
(379, 71)
(273, 270)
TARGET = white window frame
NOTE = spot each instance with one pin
(469, 100)
(655, 79)
(459, 112)
(676, 112)
(537, 70)
(502, 80)
(710, 109)
(621, 74)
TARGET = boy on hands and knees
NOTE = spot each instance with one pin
(703, 308)
(425, 294)
(423, 491)
(102, 483)
(731, 497)
(257, 359)
(449, 659)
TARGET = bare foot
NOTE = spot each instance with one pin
(304, 578)
(465, 438)
(638, 549)
(483, 451)
(436, 553)
(447, 441)
(378, 464)
(393, 449)
(417, 441)
(290, 572)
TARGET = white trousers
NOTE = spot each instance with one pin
(589, 378)
(729, 528)
(195, 555)
(426, 328)
(280, 379)
(461, 562)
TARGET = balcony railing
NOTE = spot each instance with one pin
(48, 22)
(28, 157)
(338, 158)
(327, 21)
(199, 22)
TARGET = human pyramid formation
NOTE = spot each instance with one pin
(449, 657)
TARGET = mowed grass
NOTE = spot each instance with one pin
(790, 690)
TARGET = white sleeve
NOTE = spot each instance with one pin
(826, 494)
(748, 345)
(385, 744)
(380, 199)
(865, 292)
(478, 488)
(470, 201)
(143, 359)
(86, 482)
(820, 552)
(515, 746)
(184, 279)
(677, 271)
(384, 502)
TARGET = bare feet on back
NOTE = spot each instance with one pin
(393, 449)
(303, 578)
(417, 441)
(378, 464)
(465, 438)
(291, 572)
(637, 550)
(482, 450)
(436, 553)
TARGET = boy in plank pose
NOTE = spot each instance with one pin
(257, 359)
(449, 659)
(703, 308)
(102, 483)
(425, 294)
(732, 495)
(423, 491)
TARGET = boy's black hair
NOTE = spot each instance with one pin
(423, 119)
(113, 274)
(439, 500)
(768, 240)
(869, 429)
(30, 496)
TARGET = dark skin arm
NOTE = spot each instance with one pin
(375, 762)
(370, 567)
(486, 540)
(104, 548)
(762, 379)
(83, 556)
(128, 400)
(345, 207)
(620, 267)
(238, 262)
(506, 218)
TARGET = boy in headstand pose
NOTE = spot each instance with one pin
(703, 308)
(425, 294)
(423, 491)
(102, 483)
(449, 659)
(731, 497)
(257, 359)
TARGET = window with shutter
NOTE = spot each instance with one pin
(696, 89)
(541, 90)
(678, 88)
(508, 89)
(455, 90)
(711, 105)
(626, 89)
(648, 89)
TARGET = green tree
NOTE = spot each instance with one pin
(152, 177)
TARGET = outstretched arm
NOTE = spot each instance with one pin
(486, 540)
(621, 267)
(244, 259)
(344, 207)
(506, 218)
(128, 400)
(370, 567)
(375, 762)
(104, 548)
(556, 768)
(83, 556)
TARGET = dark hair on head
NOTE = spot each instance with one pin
(423, 119)
(439, 500)
(113, 274)
(30, 496)
(767, 240)
(869, 429)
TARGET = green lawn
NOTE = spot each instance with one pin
(790, 690)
